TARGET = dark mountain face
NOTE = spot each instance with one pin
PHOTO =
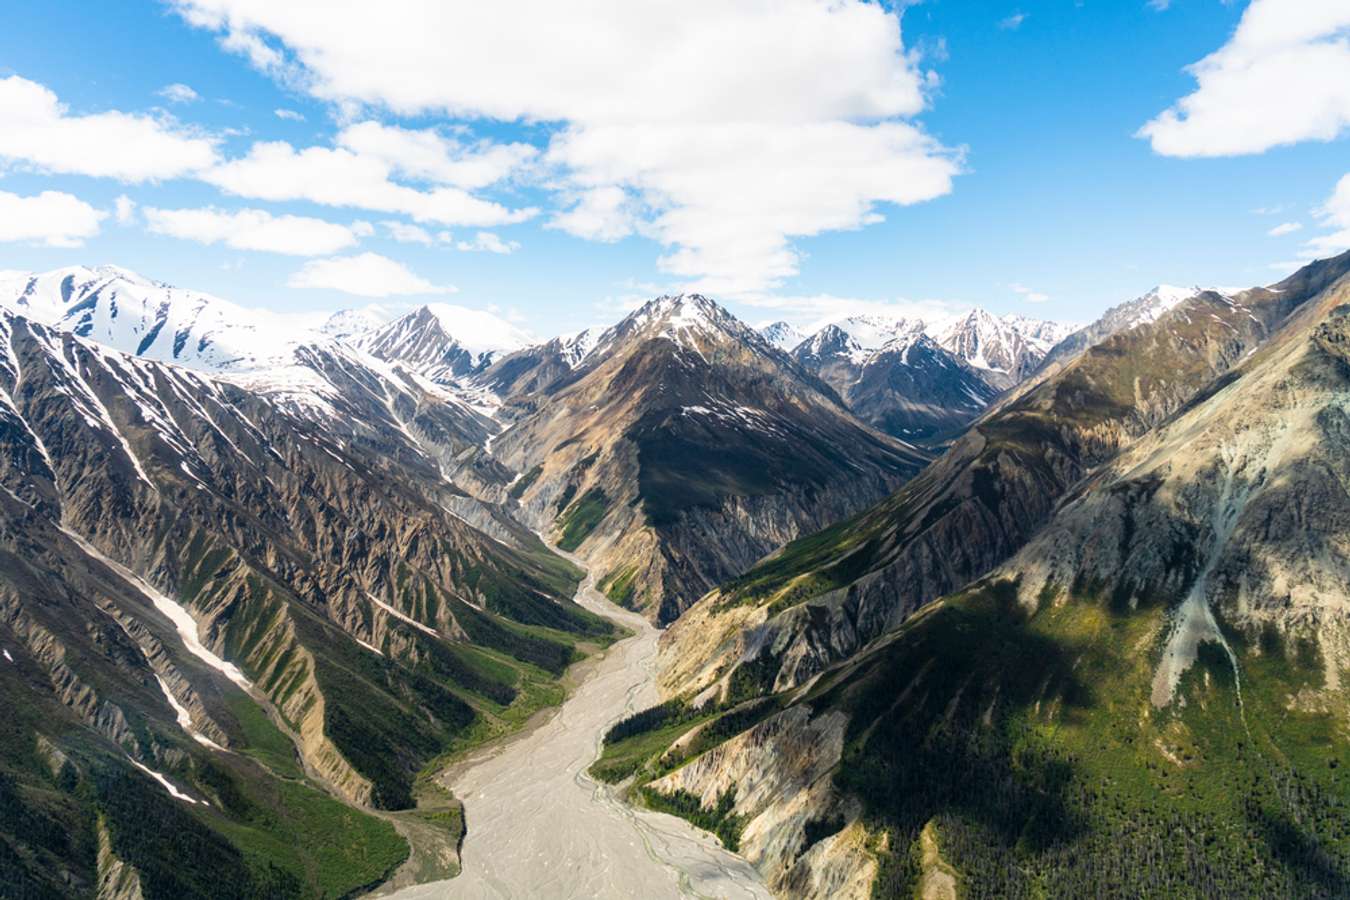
(909, 387)
(192, 563)
(682, 448)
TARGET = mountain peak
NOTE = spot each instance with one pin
(683, 318)
(782, 335)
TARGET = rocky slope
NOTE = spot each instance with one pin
(217, 594)
(1146, 308)
(823, 597)
(681, 448)
(1149, 693)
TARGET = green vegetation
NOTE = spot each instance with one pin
(1027, 739)
(719, 820)
(622, 758)
(523, 484)
(261, 739)
(619, 586)
(321, 842)
(581, 518)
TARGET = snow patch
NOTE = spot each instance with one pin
(172, 610)
(185, 717)
(167, 784)
(402, 616)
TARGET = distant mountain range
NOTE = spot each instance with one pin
(916, 380)
(993, 600)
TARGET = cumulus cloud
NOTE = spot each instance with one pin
(251, 229)
(53, 218)
(289, 115)
(487, 242)
(39, 130)
(429, 155)
(274, 170)
(125, 210)
(1029, 295)
(735, 128)
(178, 93)
(407, 234)
(365, 275)
(730, 199)
(1283, 77)
(605, 213)
(1335, 215)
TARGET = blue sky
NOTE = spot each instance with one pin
(755, 158)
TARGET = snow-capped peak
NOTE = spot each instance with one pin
(147, 318)
(782, 335)
(577, 347)
(872, 332)
(1160, 300)
(478, 330)
(1011, 345)
(354, 324)
(446, 342)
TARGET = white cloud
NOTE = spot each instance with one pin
(750, 126)
(1160, 5)
(488, 242)
(431, 156)
(38, 129)
(1285, 228)
(1283, 77)
(729, 200)
(1013, 22)
(338, 177)
(51, 217)
(1334, 214)
(251, 229)
(178, 93)
(407, 234)
(125, 209)
(289, 115)
(606, 213)
(365, 275)
(1029, 295)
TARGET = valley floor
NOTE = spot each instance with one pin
(539, 826)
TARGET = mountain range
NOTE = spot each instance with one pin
(1099, 641)
(989, 606)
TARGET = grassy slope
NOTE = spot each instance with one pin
(268, 832)
(1029, 739)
